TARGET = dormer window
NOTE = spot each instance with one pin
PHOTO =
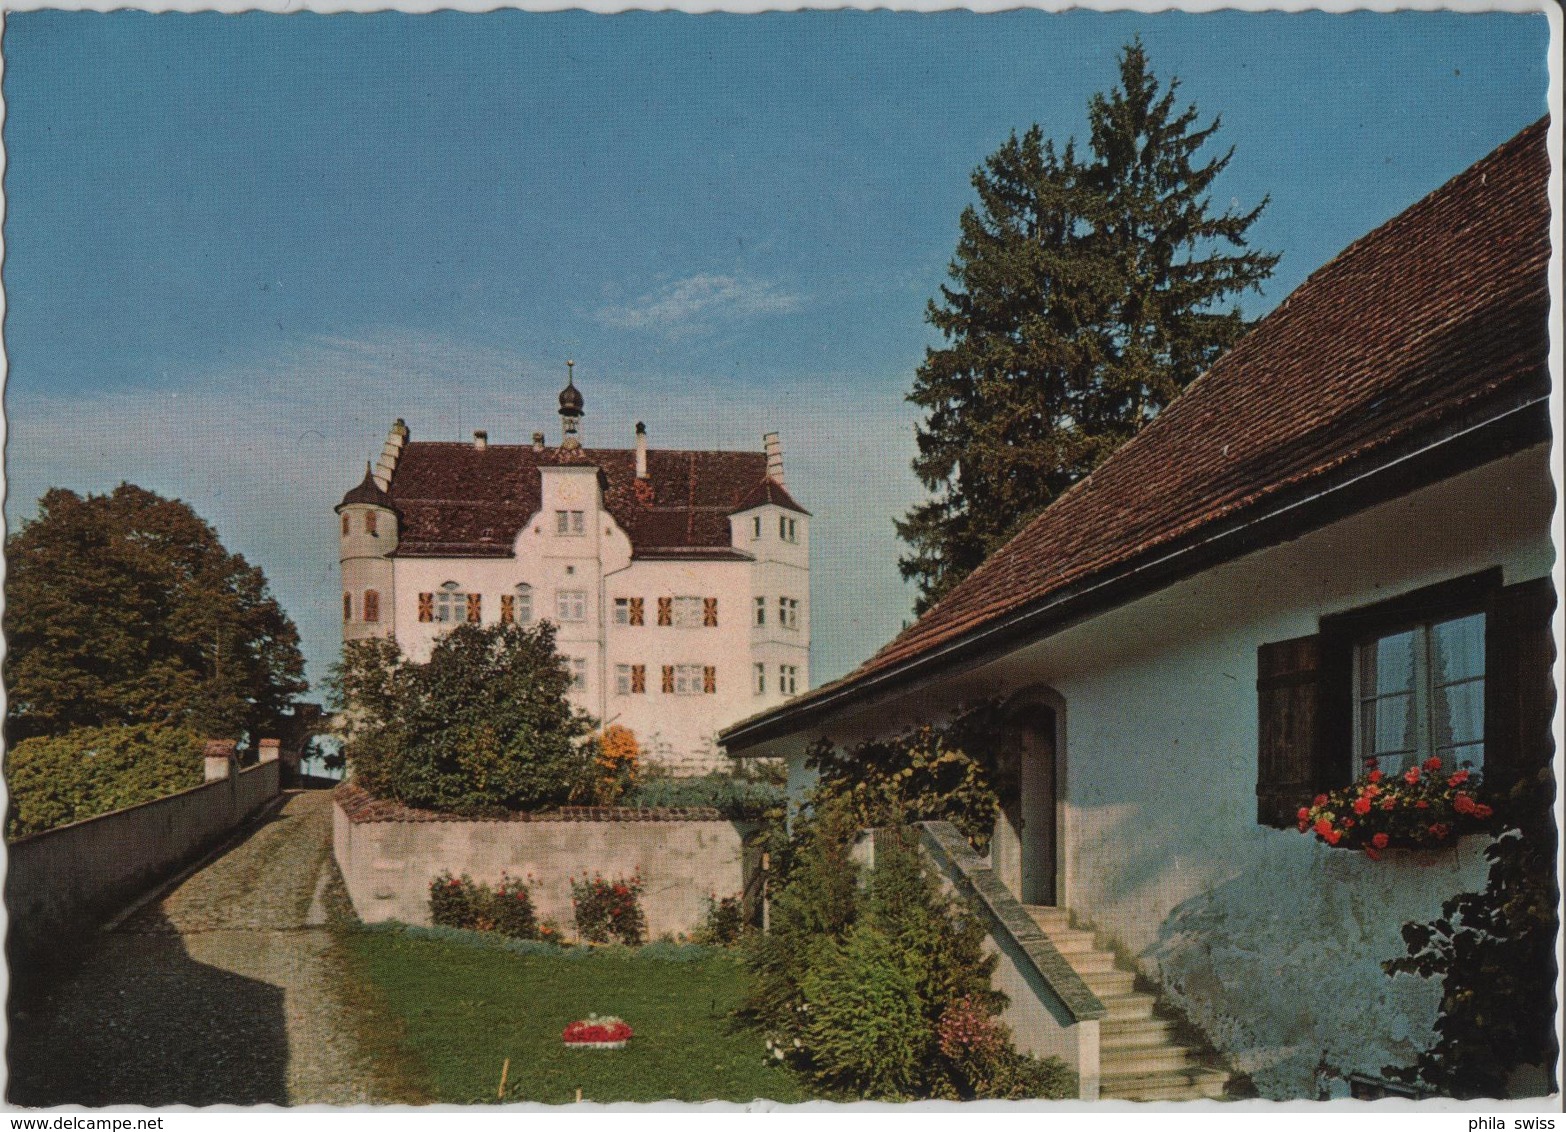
(570, 523)
(370, 521)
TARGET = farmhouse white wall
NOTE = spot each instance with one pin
(1272, 942)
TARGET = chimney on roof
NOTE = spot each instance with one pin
(391, 452)
(641, 451)
(480, 439)
(538, 442)
(774, 448)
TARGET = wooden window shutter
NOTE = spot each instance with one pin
(426, 607)
(666, 611)
(709, 612)
(1287, 699)
(668, 679)
(638, 678)
(508, 609)
(709, 679)
(636, 615)
(475, 604)
(372, 605)
(1519, 690)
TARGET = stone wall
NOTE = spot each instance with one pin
(62, 882)
(389, 853)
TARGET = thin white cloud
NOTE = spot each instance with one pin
(698, 302)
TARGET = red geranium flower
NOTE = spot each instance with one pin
(1304, 814)
(1362, 805)
(1463, 804)
(1439, 831)
(1421, 805)
(1482, 811)
(1323, 826)
(1458, 779)
(1433, 763)
(1374, 776)
(1411, 776)
(1380, 840)
(1320, 800)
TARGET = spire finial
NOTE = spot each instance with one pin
(570, 371)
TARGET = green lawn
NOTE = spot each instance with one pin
(462, 1010)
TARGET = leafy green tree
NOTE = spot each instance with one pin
(1086, 292)
(484, 725)
(125, 608)
(55, 780)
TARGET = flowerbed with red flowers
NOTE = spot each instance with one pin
(1418, 809)
(607, 1032)
(608, 910)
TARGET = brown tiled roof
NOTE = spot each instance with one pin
(454, 499)
(1430, 320)
(769, 491)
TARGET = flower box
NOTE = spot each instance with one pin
(1422, 808)
(594, 1032)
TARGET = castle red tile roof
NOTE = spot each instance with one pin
(1436, 317)
(454, 499)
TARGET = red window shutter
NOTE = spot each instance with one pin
(508, 609)
(475, 607)
(636, 611)
(709, 612)
(668, 679)
(372, 605)
(709, 679)
(638, 678)
(1287, 700)
(426, 607)
(345, 522)
(666, 611)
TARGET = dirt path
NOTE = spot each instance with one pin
(225, 991)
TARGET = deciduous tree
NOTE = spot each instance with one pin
(125, 608)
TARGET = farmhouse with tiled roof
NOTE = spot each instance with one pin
(1333, 547)
(678, 581)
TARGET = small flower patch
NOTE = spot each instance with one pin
(457, 902)
(609, 909)
(594, 1032)
(1421, 808)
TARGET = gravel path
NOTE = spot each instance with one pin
(225, 991)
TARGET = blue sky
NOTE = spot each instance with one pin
(237, 246)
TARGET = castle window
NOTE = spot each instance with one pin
(523, 606)
(692, 612)
(571, 523)
(788, 678)
(571, 605)
(577, 667)
(627, 611)
(370, 518)
(372, 605)
(345, 523)
(761, 679)
(755, 532)
(691, 679)
(787, 531)
(451, 604)
(788, 612)
(761, 611)
(347, 607)
(630, 679)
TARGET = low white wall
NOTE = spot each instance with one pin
(61, 881)
(387, 862)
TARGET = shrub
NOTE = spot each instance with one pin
(95, 770)
(483, 726)
(945, 773)
(457, 902)
(609, 909)
(724, 924)
(864, 989)
(616, 762)
(737, 798)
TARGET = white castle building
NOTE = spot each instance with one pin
(679, 581)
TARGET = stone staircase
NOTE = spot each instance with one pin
(1141, 1058)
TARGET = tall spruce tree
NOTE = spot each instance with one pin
(1086, 293)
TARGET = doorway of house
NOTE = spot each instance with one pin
(1026, 852)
